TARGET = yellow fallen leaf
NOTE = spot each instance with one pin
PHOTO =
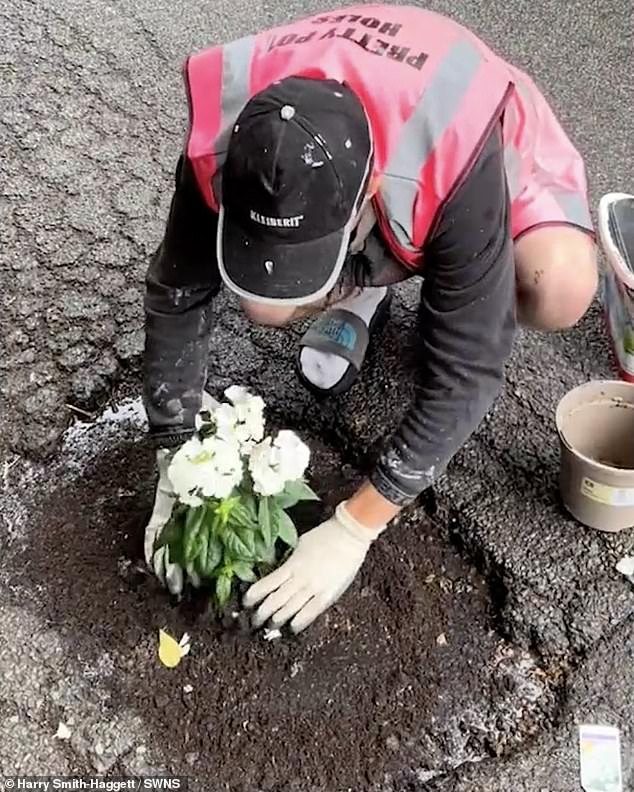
(170, 651)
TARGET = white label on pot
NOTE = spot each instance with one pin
(609, 496)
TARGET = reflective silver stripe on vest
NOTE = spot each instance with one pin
(236, 68)
(422, 132)
(512, 159)
(574, 206)
(513, 168)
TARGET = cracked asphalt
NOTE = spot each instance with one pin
(92, 116)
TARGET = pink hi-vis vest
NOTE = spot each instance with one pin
(432, 92)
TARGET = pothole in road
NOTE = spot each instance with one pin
(404, 679)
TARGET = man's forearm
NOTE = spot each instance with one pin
(463, 373)
(435, 427)
(177, 328)
(181, 282)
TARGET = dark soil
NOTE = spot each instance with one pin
(397, 676)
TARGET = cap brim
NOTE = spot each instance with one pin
(295, 274)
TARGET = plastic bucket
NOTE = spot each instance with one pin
(596, 431)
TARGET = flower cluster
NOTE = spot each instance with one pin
(211, 467)
(233, 486)
(231, 442)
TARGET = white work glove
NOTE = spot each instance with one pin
(170, 574)
(320, 569)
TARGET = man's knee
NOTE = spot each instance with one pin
(557, 277)
(568, 288)
(268, 315)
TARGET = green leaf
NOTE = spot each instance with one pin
(176, 555)
(244, 571)
(286, 530)
(201, 552)
(294, 492)
(212, 558)
(264, 520)
(237, 548)
(264, 553)
(274, 512)
(223, 588)
(172, 531)
(247, 535)
(226, 507)
(250, 504)
(193, 523)
(243, 515)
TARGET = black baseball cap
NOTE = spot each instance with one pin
(296, 172)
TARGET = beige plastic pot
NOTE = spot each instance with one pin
(596, 431)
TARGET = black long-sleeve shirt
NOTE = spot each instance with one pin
(467, 321)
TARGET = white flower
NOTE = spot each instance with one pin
(189, 499)
(240, 397)
(211, 467)
(293, 456)
(184, 472)
(274, 462)
(249, 411)
(207, 407)
(267, 479)
(225, 469)
(236, 393)
(199, 422)
(226, 419)
(242, 422)
(225, 455)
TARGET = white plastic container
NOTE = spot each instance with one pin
(618, 280)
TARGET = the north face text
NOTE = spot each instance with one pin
(276, 222)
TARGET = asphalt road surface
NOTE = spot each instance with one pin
(92, 116)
